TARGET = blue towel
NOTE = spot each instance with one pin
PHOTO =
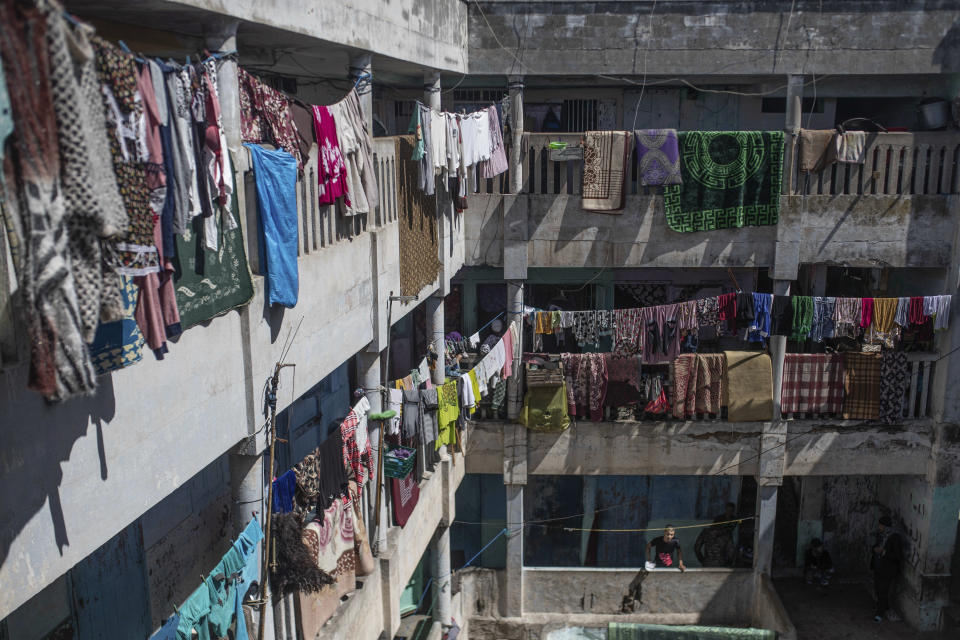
(246, 544)
(284, 488)
(276, 177)
(169, 629)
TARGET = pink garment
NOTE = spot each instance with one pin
(866, 312)
(331, 169)
(211, 136)
(157, 314)
(154, 145)
(508, 351)
(497, 163)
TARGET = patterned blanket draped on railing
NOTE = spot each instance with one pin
(730, 179)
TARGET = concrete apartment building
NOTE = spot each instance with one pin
(127, 497)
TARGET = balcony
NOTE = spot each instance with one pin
(894, 210)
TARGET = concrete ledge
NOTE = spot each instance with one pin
(814, 447)
(717, 596)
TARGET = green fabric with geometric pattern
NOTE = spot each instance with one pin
(730, 179)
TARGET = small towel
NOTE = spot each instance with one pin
(850, 146)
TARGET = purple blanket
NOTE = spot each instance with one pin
(658, 157)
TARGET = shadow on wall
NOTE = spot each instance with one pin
(946, 53)
(35, 439)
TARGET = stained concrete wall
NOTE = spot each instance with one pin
(893, 231)
(705, 447)
(712, 38)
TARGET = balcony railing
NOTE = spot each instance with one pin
(923, 163)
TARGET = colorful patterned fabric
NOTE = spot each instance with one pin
(331, 169)
(628, 327)
(265, 116)
(658, 157)
(861, 386)
(698, 384)
(134, 253)
(353, 457)
(730, 179)
(894, 374)
(118, 344)
(812, 383)
(605, 158)
(587, 375)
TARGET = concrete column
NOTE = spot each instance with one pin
(440, 560)
(221, 37)
(778, 349)
(246, 489)
(431, 89)
(514, 382)
(360, 65)
(514, 571)
(763, 528)
(368, 370)
(791, 128)
(515, 84)
(435, 333)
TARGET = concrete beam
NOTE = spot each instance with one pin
(688, 38)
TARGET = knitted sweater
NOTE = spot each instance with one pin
(94, 208)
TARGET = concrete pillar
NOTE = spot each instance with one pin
(514, 382)
(431, 89)
(246, 489)
(221, 37)
(514, 571)
(515, 84)
(440, 560)
(778, 349)
(368, 371)
(764, 528)
(435, 333)
(791, 128)
(360, 65)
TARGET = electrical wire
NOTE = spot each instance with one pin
(494, 34)
(703, 525)
(646, 54)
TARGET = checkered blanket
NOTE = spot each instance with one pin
(861, 386)
(812, 383)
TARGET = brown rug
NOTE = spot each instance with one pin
(605, 164)
(749, 390)
(861, 386)
(419, 235)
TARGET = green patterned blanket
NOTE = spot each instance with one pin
(209, 283)
(730, 179)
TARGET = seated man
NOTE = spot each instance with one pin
(665, 546)
(714, 547)
(817, 564)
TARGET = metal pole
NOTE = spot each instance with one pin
(268, 510)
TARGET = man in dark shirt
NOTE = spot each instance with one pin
(714, 547)
(664, 547)
(817, 564)
(885, 562)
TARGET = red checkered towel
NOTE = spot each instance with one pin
(812, 383)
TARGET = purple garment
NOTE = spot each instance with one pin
(658, 157)
(497, 163)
